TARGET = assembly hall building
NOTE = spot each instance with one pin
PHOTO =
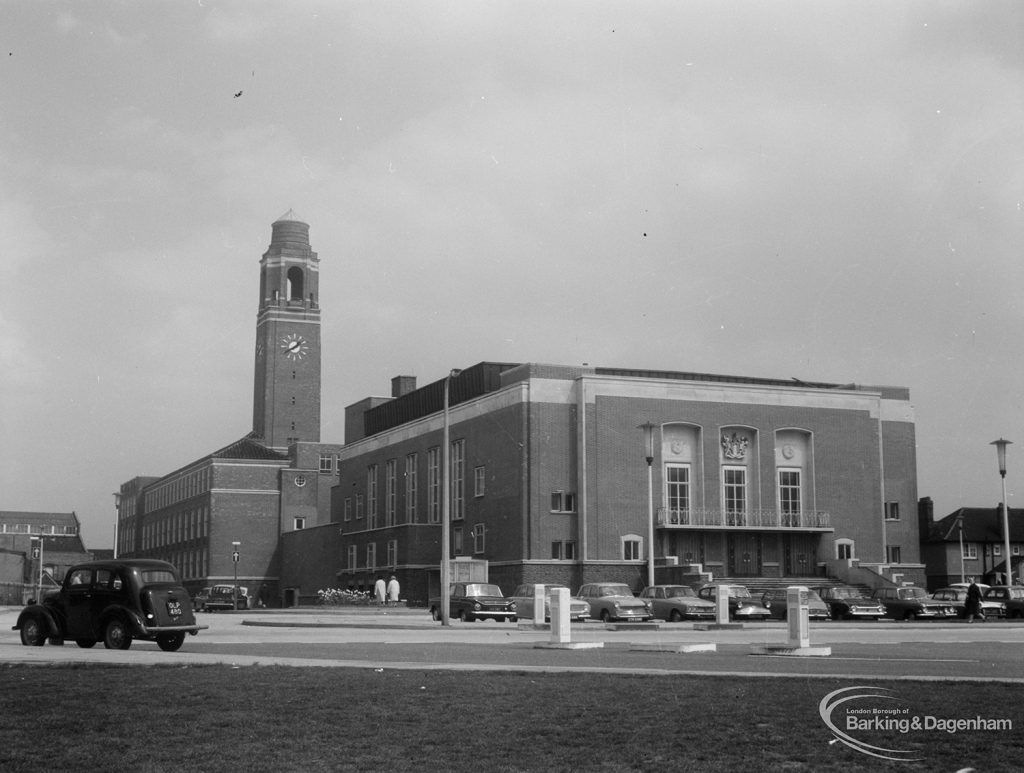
(557, 473)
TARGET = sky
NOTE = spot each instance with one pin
(829, 191)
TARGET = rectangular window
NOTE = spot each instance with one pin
(997, 550)
(563, 550)
(892, 511)
(352, 556)
(789, 497)
(326, 464)
(479, 533)
(410, 488)
(390, 493)
(359, 507)
(371, 497)
(892, 554)
(458, 480)
(631, 549)
(457, 540)
(970, 550)
(677, 493)
(734, 495)
(434, 485)
(563, 502)
(479, 481)
(392, 552)
(300, 523)
(371, 555)
(348, 508)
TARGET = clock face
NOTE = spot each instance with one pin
(294, 346)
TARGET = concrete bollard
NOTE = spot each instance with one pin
(722, 604)
(798, 615)
(560, 629)
(538, 605)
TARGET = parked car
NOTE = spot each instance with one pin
(910, 603)
(223, 597)
(677, 602)
(113, 601)
(776, 602)
(610, 601)
(957, 597)
(848, 603)
(742, 604)
(1010, 595)
(579, 609)
(470, 601)
(200, 599)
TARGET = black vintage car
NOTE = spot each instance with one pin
(471, 601)
(113, 601)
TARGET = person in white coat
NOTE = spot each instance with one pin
(393, 591)
(379, 591)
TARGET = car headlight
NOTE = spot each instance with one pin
(512, 606)
(476, 605)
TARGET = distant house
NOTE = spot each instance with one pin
(979, 530)
(20, 533)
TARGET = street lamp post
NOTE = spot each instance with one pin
(960, 523)
(648, 429)
(446, 503)
(117, 518)
(1001, 456)
(37, 553)
(234, 561)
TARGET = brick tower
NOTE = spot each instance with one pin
(286, 402)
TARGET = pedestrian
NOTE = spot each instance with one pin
(393, 590)
(379, 591)
(972, 608)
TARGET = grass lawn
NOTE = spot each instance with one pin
(269, 718)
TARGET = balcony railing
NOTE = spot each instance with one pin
(709, 518)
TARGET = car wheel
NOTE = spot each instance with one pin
(909, 616)
(513, 619)
(85, 643)
(605, 617)
(33, 632)
(171, 642)
(435, 614)
(116, 635)
(463, 616)
(675, 617)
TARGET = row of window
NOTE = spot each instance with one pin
(37, 528)
(996, 550)
(183, 487)
(735, 495)
(478, 535)
(176, 527)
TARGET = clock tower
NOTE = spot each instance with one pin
(286, 403)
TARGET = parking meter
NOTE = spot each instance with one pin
(797, 613)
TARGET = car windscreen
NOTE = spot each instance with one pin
(616, 590)
(482, 589)
(682, 590)
(912, 593)
(157, 576)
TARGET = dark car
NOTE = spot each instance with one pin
(910, 603)
(200, 599)
(848, 603)
(677, 602)
(742, 604)
(113, 601)
(1010, 595)
(223, 597)
(471, 601)
(776, 601)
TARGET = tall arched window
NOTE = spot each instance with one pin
(295, 284)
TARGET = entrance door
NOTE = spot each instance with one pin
(744, 555)
(800, 558)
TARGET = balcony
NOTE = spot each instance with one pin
(695, 518)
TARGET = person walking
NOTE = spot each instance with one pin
(972, 607)
(379, 591)
(393, 591)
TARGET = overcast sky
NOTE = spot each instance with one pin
(826, 191)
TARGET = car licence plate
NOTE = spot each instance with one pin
(174, 608)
